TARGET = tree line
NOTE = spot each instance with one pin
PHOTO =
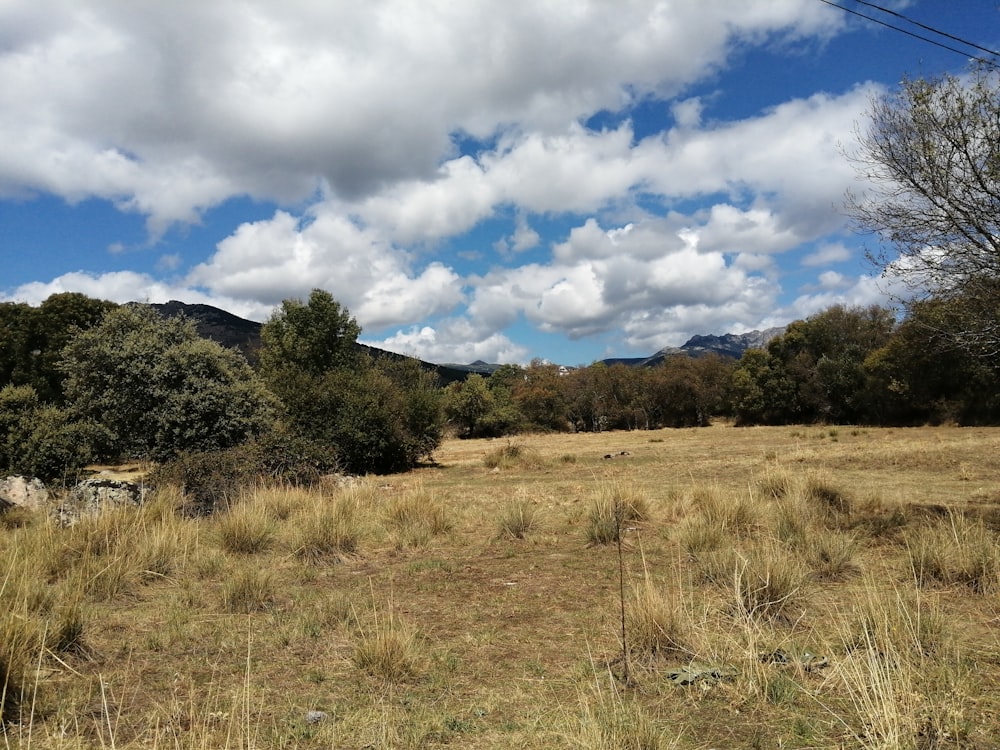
(86, 380)
(83, 380)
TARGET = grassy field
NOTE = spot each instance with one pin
(782, 587)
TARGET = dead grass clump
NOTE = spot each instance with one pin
(831, 555)
(832, 500)
(249, 591)
(389, 650)
(896, 622)
(418, 516)
(955, 550)
(245, 529)
(610, 720)
(891, 684)
(329, 531)
(513, 455)
(633, 503)
(732, 513)
(764, 583)
(655, 624)
(517, 519)
(774, 485)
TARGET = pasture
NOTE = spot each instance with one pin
(785, 587)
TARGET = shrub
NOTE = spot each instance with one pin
(389, 650)
(215, 479)
(246, 529)
(159, 389)
(249, 591)
(517, 519)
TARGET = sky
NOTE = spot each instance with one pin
(473, 180)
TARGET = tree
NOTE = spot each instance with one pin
(477, 410)
(32, 339)
(159, 389)
(309, 338)
(43, 440)
(931, 154)
(378, 415)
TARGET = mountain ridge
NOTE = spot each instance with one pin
(232, 331)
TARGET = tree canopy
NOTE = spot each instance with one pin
(931, 154)
(159, 389)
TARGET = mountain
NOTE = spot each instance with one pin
(237, 333)
(730, 345)
(234, 332)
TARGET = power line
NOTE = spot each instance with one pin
(929, 28)
(933, 30)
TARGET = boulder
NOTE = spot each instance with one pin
(92, 496)
(23, 492)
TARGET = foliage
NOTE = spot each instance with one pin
(212, 479)
(378, 415)
(159, 389)
(32, 339)
(311, 338)
(479, 408)
(931, 152)
(814, 371)
(42, 440)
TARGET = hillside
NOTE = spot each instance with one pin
(235, 332)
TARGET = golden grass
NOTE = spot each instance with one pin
(782, 589)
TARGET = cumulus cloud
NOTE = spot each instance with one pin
(285, 257)
(129, 286)
(384, 130)
(172, 107)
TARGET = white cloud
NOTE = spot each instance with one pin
(349, 114)
(454, 341)
(286, 257)
(129, 286)
(828, 254)
(171, 107)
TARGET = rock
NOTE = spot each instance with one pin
(24, 492)
(91, 496)
(315, 717)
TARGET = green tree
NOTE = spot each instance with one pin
(32, 339)
(931, 156)
(379, 415)
(159, 389)
(43, 440)
(921, 376)
(310, 338)
(540, 395)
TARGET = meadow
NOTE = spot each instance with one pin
(722, 587)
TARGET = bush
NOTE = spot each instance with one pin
(517, 520)
(212, 480)
(159, 389)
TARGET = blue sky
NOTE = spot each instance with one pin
(478, 180)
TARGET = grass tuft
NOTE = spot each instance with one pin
(389, 650)
(249, 591)
(517, 519)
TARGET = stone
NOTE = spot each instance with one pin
(24, 492)
(315, 717)
(91, 496)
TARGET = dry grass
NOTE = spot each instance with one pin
(782, 589)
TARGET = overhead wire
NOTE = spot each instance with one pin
(935, 42)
